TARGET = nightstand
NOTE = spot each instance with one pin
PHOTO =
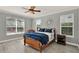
(61, 39)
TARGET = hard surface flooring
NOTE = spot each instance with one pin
(16, 46)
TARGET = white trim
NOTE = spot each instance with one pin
(15, 33)
(16, 25)
(24, 26)
(66, 26)
(10, 39)
(72, 44)
(71, 36)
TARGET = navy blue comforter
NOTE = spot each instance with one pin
(43, 38)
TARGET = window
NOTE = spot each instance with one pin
(67, 25)
(14, 26)
(20, 26)
(38, 23)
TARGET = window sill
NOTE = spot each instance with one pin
(14, 33)
(69, 36)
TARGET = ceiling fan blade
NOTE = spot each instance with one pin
(33, 12)
(24, 8)
(26, 11)
(32, 7)
(37, 10)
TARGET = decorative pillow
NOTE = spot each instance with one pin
(42, 29)
(31, 30)
(48, 30)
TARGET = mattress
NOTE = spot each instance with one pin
(51, 35)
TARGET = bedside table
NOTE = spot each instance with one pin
(61, 39)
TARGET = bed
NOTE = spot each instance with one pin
(40, 39)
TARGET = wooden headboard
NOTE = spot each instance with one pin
(30, 30)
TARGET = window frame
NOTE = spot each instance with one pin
(72, 36)
(23, 26)
(16, 32)
(38, 20)
(38, 24)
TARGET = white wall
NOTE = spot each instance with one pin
(3, 15)
(55, 23)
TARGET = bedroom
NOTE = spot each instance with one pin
(49, 17)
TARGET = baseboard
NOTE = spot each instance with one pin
(10, 39)
(72, 44)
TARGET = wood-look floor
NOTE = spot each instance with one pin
(17, 46)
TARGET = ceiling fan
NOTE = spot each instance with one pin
(31, 9)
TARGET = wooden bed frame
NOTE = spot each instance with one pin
(37, 44)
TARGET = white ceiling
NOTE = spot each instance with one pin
(45, 10)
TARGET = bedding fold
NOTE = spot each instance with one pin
(43, 38)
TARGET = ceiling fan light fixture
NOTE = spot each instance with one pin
(32, 9)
